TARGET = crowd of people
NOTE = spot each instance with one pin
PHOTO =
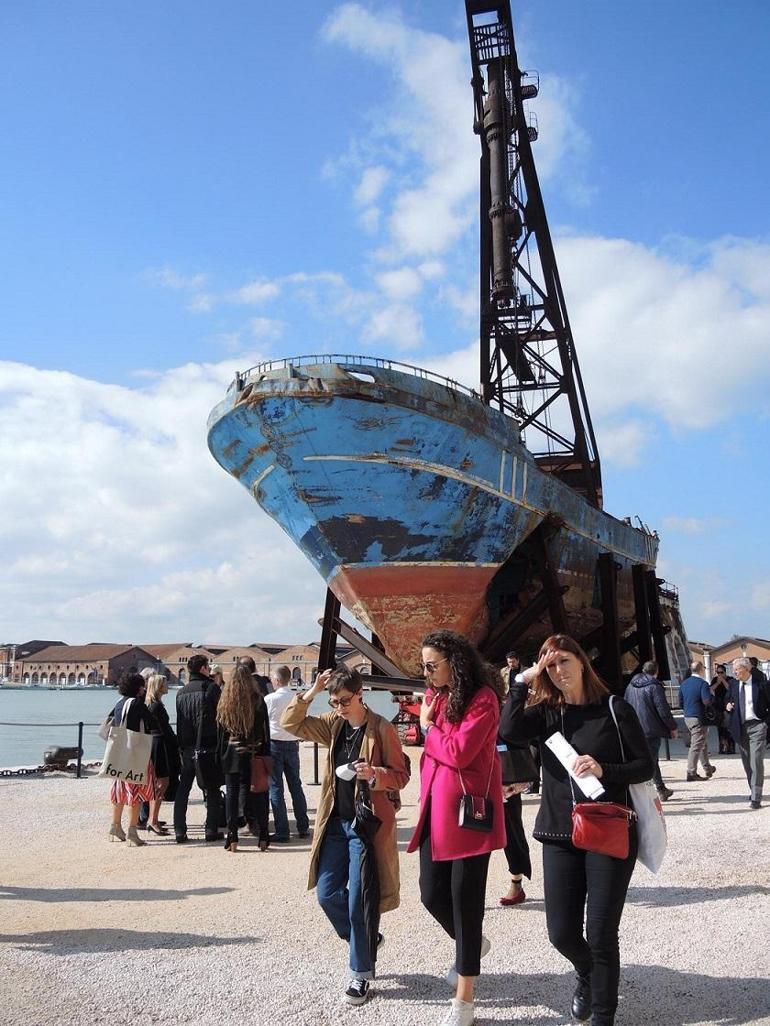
(471, 715)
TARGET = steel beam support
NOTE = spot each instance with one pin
(657, 627)
(642, 608)
(611, 666)
(327, 655)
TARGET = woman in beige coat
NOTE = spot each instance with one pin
(363, 748)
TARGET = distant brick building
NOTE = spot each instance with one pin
(738, 646)
(45, 663)
(80, 664)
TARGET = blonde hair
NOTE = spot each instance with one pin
(237, 707)
(157, 685)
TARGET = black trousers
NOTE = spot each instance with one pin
(454, 893)
(653, 743)
(581, 883)
(516, 847)
(237, 795)
(186, 780)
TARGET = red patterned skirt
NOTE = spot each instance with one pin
(122, 793)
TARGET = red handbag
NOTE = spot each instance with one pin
(602, 827)
(261, 772)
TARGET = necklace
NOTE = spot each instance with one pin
(349, 739)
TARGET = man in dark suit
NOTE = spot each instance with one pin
(748, 705)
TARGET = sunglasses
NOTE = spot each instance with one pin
(430, 667)
(340, 703)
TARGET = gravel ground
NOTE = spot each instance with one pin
(96, 933)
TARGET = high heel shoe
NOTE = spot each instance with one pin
(231, 843)
(159, 830)
(134, 838)
(264, 844)
(116, 833)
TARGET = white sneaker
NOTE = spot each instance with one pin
(451, 976)
(461, 1013)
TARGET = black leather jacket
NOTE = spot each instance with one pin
(196, 699)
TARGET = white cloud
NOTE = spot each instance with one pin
(405, 283)
(168, 278)
(265, 329)
(255, 292)
(661, 335)
(373, 181)
(118, 524)
(398, 325)
(624, 443)
(685, 525)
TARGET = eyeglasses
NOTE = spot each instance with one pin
(430, 667)
(340, 703)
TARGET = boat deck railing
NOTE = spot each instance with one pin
(376, 362)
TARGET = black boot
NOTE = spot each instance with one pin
(581, 999)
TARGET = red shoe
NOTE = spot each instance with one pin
(517, 899)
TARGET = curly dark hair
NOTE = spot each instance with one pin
(130, 684)
(468, 672)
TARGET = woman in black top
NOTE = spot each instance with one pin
(165, 750)
(243, 730)
(569, 697)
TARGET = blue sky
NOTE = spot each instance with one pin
(189, 187)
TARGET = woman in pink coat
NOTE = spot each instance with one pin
(460, 717)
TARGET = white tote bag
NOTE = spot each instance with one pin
(127, 754)
(650, 824)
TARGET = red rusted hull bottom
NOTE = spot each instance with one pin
(402, 604)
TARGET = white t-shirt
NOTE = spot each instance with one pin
(276, 702)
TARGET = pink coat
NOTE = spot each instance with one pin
(469, 746)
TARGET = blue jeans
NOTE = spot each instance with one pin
(339, 891)
(286, 764)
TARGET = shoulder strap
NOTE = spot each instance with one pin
(620, 736)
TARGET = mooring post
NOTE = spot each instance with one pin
(315, 763)
(80, 749)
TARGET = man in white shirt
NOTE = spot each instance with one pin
(284, 748)
(748, 704)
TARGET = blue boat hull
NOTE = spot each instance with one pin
(408, 495)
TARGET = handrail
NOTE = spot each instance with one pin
(358, 361)
(82, 723)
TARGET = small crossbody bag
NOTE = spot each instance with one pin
(476, 813)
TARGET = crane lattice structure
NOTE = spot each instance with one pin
(529, 367)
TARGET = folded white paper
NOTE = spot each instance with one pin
(566, 754)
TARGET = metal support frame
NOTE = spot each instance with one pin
(657, 627)
(642, 609)
(328, 650)
(610, 662)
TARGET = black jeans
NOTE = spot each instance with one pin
(579, 883)
(454, 892)
(186, 779)
(653, 743)
(516, 847)
(237, 791)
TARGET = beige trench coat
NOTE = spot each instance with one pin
(381, 748)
